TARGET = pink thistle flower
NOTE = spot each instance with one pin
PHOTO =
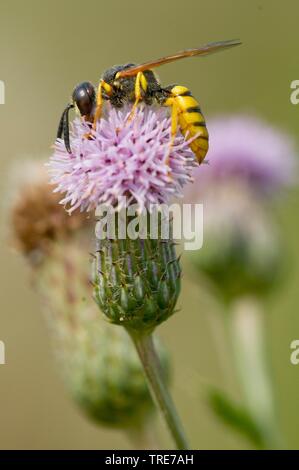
(122, 160)
(248, 151)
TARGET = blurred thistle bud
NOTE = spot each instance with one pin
(125, 163)
(99, 362)
(241, 250)
(249, 163)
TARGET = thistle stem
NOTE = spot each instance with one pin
(152, 368)
(247, 336)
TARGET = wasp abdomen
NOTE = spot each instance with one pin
(191, 120)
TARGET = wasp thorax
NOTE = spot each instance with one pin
(110, 75)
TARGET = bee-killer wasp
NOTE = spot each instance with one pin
(132, 83)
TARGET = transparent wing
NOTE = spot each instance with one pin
(201, 51)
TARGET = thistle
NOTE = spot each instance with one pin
(251, 163)
(98, 362)
(137, 279)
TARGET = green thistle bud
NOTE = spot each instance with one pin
(241, 253)
(137, 281)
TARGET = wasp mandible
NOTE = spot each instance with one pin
(131, 83)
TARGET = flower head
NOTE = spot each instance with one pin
(129, 159)
(247, 150)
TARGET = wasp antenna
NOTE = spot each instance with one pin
(66, 132)
(60, 127)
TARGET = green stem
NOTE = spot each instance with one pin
(247, 335)
(152, 368)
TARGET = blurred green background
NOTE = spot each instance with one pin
(45, 49)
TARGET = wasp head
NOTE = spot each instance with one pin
(83, 97)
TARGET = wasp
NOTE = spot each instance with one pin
(131, 83)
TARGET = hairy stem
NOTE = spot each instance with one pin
(152, 368)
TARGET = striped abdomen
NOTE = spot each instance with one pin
(191, 120)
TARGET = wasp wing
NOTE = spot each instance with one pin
(201, 51)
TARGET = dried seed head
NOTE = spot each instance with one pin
(37, 219)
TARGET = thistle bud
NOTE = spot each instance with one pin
(241, 253)
(137, 281)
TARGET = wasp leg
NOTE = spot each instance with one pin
(140, 86)
(108, 89)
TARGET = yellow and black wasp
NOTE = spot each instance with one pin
(132, 83)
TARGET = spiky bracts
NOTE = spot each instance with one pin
(137, 282)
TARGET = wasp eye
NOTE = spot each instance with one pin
(84, 97)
